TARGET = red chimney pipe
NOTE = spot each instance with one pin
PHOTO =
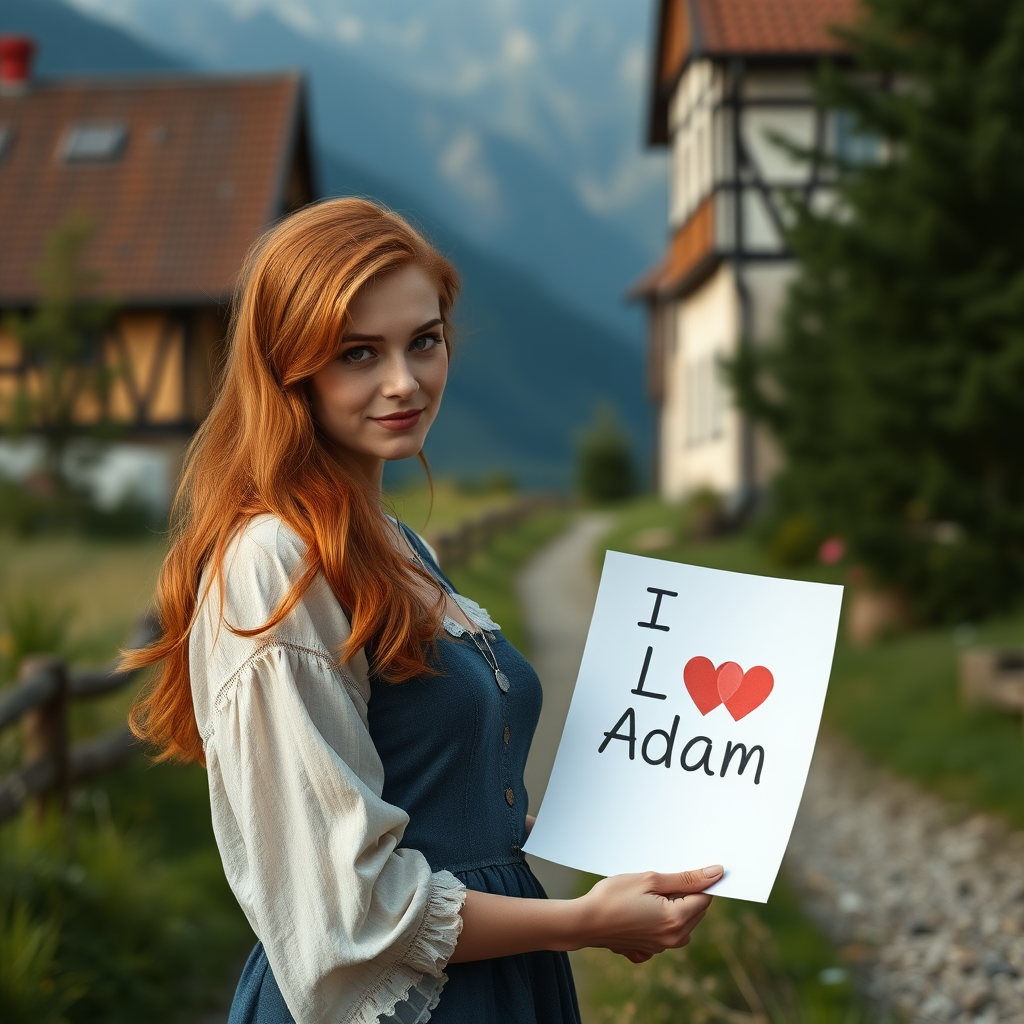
(16, 53)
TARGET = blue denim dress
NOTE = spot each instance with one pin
(454, 747)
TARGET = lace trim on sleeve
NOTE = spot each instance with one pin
(411, 990)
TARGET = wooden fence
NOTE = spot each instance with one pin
(50, 765)
(456, 547)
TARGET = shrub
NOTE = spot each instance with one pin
(40, 507)
(606, 471)
(794, 542)
(94, 929)
(703, 513)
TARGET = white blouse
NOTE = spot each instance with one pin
(352, 926)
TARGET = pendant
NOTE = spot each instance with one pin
(502, 680)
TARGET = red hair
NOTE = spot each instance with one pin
(260, 451)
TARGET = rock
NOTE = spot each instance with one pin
(925, 898)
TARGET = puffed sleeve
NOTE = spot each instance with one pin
(352, 925)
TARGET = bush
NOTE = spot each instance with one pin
(703, 514)
(794, 541)
(41, 507)
(606, 471)
(94, 929)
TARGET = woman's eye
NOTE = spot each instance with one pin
(425, 342)
(357, 355)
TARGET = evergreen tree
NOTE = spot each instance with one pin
(896, 387)
(606, 471)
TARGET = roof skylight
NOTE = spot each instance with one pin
(93, 141)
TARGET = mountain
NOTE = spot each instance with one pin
(464, 158)
(528, 369)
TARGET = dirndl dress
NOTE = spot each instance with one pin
(454, 747)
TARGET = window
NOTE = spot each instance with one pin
(854, 146)
(707, 399)
(93, 141)
(6, 140)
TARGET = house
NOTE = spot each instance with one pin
(728, 76)
(178, 174)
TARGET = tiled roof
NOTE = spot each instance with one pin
(766, 29)
(771, 26)
(203, 169)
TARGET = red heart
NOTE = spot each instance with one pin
(702, 684)
(750, 692)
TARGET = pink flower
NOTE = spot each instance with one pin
(832, 550)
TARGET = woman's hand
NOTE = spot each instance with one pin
(640, 915)
(635, 915)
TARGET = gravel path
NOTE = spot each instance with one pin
(927, 903)
(557, 589)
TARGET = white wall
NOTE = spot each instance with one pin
(695, 145)
(699, 428)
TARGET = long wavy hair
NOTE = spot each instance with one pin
(260, 451)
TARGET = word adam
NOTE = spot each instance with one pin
(658, 747)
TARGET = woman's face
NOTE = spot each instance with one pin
(377, 398)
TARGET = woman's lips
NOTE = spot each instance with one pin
(399, 420)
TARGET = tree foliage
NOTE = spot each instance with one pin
(606, 471)
(896, 388)
(60, 347)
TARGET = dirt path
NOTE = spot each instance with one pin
(556, 590)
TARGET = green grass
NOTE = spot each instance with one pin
(744, 962)
(897, 699)
(104, 585)
(450, 505)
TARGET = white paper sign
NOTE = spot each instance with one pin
(692, 724)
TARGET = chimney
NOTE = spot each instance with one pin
(16, 53)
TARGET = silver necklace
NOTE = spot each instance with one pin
(486, 651)
(492, 662)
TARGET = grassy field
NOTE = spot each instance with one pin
(101, 587)
(897, 699)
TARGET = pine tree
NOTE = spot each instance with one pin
(896, 386)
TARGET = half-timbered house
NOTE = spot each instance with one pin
(729, 78)
(178, 174)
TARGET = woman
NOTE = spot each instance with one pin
(364, 727)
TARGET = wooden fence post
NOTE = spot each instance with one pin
(44, 729)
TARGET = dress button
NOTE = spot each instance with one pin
(510, 797)
(515, 850)
(507, 735)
